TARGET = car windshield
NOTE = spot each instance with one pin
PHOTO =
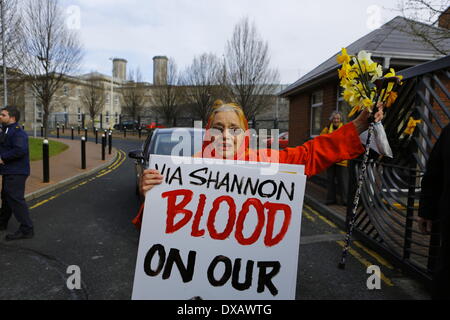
(165, 143)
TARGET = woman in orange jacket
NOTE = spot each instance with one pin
(226, 138)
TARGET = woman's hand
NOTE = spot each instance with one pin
(149, 179)
(362, 121)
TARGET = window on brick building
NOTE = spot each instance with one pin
(316, 112)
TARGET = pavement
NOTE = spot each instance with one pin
(66, 167)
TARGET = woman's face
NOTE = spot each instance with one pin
(227, 135)
(336, 120)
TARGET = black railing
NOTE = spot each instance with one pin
(391, 192)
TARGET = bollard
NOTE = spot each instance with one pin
(140, 133)
(83, 153)
(103, 146)
(86, 133)
(124, 132)
(72, 133)
(57, 132)
(23, 127)
(46, 161)
(96, 136)
(63, 127)
(110, 142)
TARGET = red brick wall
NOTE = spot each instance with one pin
(300, 111)
(299, 118)
(444, 19)
(329, 101)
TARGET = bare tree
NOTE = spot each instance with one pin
(93, 97)
(133, 94)
(421, 16)
(202, 84)
(166, 98)
(249, 79)
(51, 51)
(11, 36)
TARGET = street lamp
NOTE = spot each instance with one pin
(5, 84)
(34, 114)
(112, 93)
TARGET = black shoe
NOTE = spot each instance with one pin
(19, 235)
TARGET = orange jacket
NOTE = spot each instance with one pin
(316, 155)
(330, 129)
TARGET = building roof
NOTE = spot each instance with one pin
(391, 40)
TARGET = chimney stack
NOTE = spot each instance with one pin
(160, 70)
(120, 69)
(444, 19)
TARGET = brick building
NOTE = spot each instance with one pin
(314, 96)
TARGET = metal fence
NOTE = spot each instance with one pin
(391, 192)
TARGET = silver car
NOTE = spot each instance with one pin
(162, 142)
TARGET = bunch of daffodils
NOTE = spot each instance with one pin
(359, 76)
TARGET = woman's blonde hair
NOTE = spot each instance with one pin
(220, 106)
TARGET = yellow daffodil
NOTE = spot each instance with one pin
(354, 110)
(344, 57)
(346, 83)
(392, 96)
(377, 72)
(360, 88)
(358, 76)
(344, 71)
(353, 73)
(349, 95)
(391, 73)
(367, 102)
(411, 126)
(365, 56)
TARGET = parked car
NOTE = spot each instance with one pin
(152, 126)
(283, 141)
(162, 142)
(129, 125)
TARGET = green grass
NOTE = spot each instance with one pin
(35, 146)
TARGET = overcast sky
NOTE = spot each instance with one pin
(301, 34)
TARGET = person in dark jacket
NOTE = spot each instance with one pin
(15, 169)
(435, 208)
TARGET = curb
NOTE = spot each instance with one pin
(39, 193)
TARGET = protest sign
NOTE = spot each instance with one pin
(220, 231)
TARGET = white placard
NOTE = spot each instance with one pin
(189, 249)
